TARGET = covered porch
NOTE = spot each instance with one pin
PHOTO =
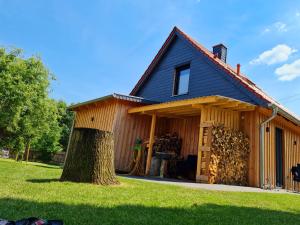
(190, 119)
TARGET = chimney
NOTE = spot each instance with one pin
(220, 51)
(238, 69)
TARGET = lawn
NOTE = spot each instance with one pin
(34, 190)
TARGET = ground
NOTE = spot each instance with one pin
(34, 190)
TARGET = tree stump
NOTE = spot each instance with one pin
(90, 157)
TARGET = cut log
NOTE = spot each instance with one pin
(229, 156)
(90, 157)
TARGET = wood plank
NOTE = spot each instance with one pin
(151, 142)
(202, 119)
(174, 104)
(205, 148)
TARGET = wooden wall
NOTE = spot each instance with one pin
(291, 151)
(188, 130)
(103, 114)
(188, 127)
(229, 118)
(127, 128)
(111, 115)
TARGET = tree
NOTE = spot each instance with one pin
(65, 122)
(91, 157)
(25, 108)
(48, 140)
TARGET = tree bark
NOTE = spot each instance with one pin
(27, 151)
(90, 157)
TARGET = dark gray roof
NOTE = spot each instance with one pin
(129, 98)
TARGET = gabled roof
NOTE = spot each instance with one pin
(241, 78)
(113, 96)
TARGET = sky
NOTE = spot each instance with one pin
(95, 48)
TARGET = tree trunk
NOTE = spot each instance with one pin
(90, 157)
(27, 150)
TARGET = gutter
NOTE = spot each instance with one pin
(261, 143)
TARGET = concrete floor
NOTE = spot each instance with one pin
(214, 187)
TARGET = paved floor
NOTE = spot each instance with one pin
(215, 187)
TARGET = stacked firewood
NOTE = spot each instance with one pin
(170, 143)
(229, 156)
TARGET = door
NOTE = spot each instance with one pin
(279, 157)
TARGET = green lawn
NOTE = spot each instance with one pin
(34, 190)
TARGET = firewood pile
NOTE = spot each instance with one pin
(229, 156)
(170, 143)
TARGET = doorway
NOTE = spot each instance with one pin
(279, 157)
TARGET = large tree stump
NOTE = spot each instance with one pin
(90, 157)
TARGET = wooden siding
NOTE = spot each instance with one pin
(291, 151)
(188, 130)
(188, 127)
(205, 77)
(127, 129)
(103, 114)
(112, 116)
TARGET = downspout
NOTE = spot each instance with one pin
(262, 145)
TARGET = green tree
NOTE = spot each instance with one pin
(65, 122)
(26, 112)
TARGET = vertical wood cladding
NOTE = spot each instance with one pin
(188, 127)
(111, 115)
(99, 115)
(291, 148)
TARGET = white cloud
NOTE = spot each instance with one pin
(298, 14)
(267, 30)
(289, 72)
(279, 53)
(280, 26)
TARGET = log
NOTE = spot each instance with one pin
(90, 157)
(229, 156)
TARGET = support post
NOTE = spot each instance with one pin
(200, 143)
(151, 142)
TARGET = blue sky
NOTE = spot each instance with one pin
(96, 48)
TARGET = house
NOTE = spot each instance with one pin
(185, 86)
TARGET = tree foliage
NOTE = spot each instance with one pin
(28, 117)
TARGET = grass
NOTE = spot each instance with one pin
(33, 189)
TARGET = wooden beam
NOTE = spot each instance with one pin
(221, 102)
(230, 105)
(174, 104)
(202, 119)
(151, 142)
(245, 108)
(197, 106)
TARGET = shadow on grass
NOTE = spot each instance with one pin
(40, 181)
(139, 214)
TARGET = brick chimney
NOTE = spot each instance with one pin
(220, 51)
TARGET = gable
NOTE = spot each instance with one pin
(205, 77)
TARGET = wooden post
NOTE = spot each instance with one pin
(202, 119)
(151, 141)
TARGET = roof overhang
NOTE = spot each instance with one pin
(285, 113)
(192, 107)
(128, 98)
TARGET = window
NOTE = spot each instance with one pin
(182, 76)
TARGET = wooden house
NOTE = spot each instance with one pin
(186, 86)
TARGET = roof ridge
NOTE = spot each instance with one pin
(242, 78)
